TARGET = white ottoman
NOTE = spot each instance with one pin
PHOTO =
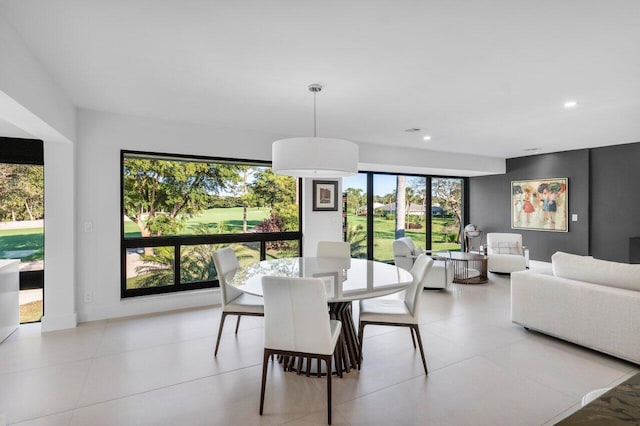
(440, 275)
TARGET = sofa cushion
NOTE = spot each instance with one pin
(586, 268)
(505, 247)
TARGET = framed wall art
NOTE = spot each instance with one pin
(325, 195)
(540, 204)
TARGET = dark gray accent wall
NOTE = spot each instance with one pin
(490, 201)
(615, 200)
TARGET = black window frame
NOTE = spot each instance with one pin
(428, 221)
(178, 241)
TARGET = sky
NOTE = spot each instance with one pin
(382, 184)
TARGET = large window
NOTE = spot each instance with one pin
(178, 211)
(381, 207)
(22, 218)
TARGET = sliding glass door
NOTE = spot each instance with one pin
(381, 207)
(355, 190)
(398, 211)
(446, 213)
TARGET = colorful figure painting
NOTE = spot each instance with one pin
(540, 204)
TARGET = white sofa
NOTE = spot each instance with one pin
(505, 253)
(591, 302)
(405, 253)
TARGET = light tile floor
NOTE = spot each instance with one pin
(160, 370)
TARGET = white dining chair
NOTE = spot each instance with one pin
(234, 302)
(398, 312)
(297, 324)
(333, 249)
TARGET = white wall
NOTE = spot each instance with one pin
(421, 161)
(32, 102)
(24, 81)
(101, 136)
(319, 226)
(59, 236)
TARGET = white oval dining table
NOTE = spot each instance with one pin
(346, 280)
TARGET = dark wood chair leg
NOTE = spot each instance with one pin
(265, 361)
(413, 337)
(299, 366)
(224, 315)
(238, 323)
(424, 361)
(360, 340)
(328, 363)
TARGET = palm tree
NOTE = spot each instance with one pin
(358, 240)
(196, 261)
(401, 208)
(156, 269)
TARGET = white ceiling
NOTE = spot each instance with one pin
(483, 77)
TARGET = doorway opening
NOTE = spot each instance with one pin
(22, 219)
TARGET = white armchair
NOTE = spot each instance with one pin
(505, 253)
(405, 253)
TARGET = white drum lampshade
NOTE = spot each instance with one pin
(314, 157)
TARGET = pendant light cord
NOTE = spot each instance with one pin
(314, 114)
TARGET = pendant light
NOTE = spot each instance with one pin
(314, 156)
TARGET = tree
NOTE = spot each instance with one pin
(278, 193)
(401, 208)
(357, 237)
(448, 193)
(160, 194)
(271, 190)
(21, 192)
(356, 198)
(196, 261)
(240, 189)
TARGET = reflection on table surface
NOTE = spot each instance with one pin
(345, 279)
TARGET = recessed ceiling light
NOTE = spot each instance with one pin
(427, 138)
(570, 104)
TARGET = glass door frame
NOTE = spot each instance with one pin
(428, 201)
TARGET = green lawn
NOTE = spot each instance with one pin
(24, 244)
(31, 312)
(384, 234)
(231, 217)
(30, 241)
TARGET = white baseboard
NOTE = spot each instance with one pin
(60, 322)
(150, 304)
